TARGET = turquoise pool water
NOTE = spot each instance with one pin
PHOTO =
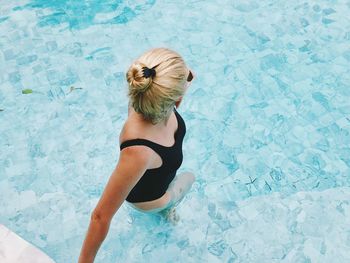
(268, 122)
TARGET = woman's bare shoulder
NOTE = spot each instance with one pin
(131, 130)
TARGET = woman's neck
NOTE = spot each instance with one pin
(140, 119)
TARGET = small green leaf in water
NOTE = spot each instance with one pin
(27, 91)
(73, 88)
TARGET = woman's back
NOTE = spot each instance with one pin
(166, 156)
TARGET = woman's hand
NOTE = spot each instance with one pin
(133, 162)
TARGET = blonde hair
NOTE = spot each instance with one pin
(155, 97)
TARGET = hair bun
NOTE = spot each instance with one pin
(136, 77)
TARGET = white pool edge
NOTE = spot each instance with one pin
(14, 249)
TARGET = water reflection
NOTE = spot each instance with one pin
(82, 14)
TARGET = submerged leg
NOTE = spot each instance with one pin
(178, 188)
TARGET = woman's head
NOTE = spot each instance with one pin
(155, 96)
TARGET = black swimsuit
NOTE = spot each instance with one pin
(154, 183)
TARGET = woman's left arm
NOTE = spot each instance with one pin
(125, 176)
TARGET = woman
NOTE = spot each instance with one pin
(150, 144)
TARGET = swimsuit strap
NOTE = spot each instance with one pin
(138, 141)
